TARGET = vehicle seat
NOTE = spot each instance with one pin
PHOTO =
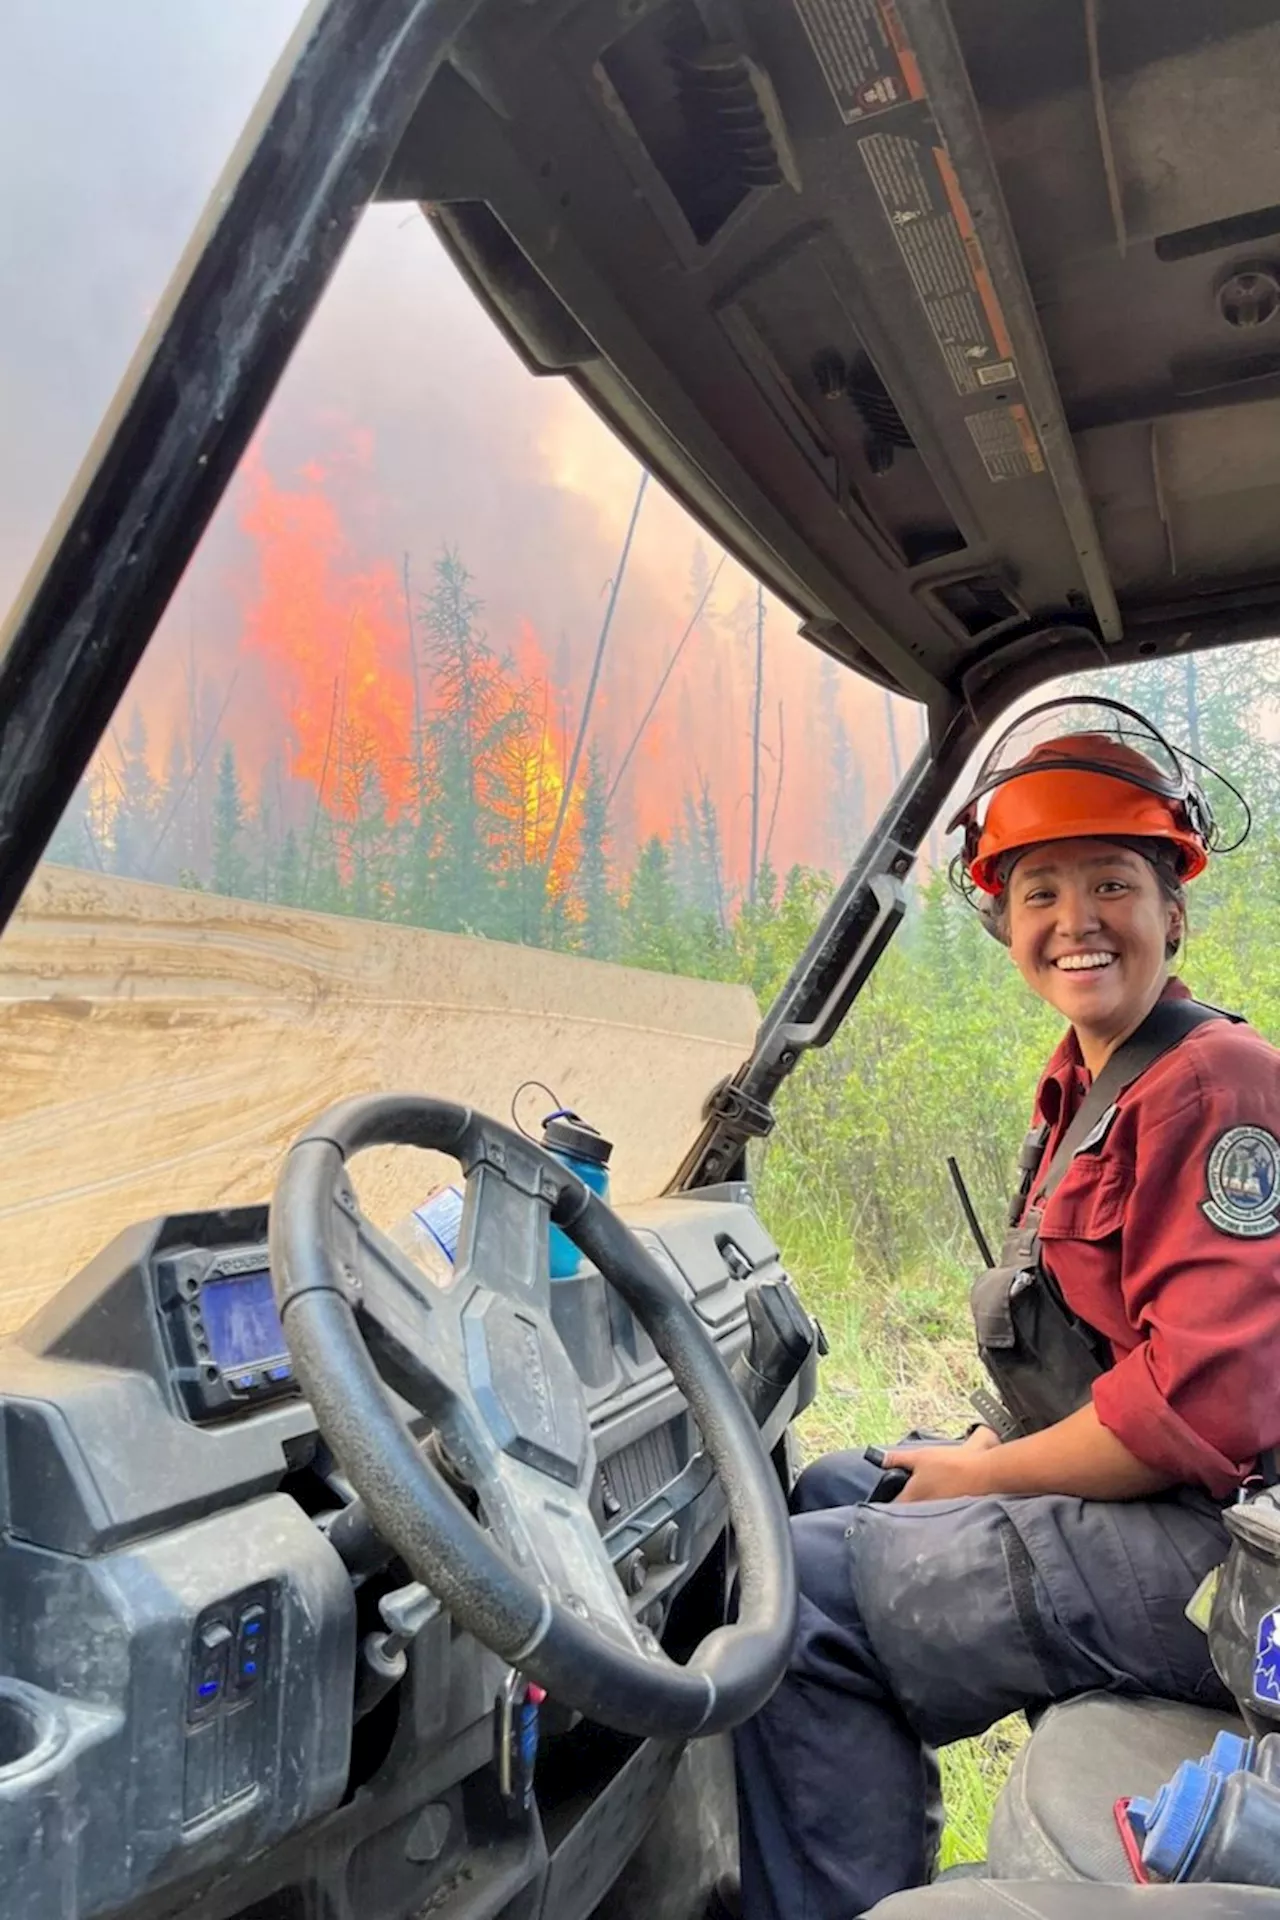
(1055, 1818)
(1056, 1900)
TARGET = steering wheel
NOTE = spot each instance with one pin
(482, 1360)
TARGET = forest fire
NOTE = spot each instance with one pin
(336, 716)
(348, 660)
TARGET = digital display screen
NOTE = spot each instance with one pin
(241, 1321)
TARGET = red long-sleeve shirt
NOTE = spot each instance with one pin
(1165, 1239)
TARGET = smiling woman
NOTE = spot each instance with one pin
(1131, 1331)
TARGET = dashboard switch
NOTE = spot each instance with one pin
(251, 1647)
(209, 1658)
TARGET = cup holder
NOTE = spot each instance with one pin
(32, 1728)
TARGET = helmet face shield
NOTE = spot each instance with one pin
(1081, 769)
(1087, 735)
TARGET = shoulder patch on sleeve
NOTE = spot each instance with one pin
(1242, 1174)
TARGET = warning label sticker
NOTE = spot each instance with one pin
(1007, 443)
(864, 54)
(923, 204)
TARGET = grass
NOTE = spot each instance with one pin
(900, 1359)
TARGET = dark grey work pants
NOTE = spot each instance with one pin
(924, 1624)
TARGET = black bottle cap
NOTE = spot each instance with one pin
(572, 1134)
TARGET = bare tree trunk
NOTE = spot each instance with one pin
(315, 817)
(192, 776)
(755, 748)
(342, 744)
(198, 839)
(895, 760)
(661, 687)
(1193, 705)
(777, 792)
(935, 844)
(593, 683)
(419, 768)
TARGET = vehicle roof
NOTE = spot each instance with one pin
(960, 325)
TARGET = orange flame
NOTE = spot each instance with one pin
(335, 645)
(324, 699)
(334, 642)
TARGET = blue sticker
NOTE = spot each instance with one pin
(441, 1215)
(1243, 1178)
(1266, 1665)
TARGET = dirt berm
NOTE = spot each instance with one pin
(160, 1048)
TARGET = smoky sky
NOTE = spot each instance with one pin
(116, 117)
(403, 402)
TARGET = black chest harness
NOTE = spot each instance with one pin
(1042, 1358)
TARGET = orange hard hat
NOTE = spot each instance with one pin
(1081, 786)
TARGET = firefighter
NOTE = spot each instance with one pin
(1132, 1335)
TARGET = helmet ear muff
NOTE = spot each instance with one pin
(993, 912)
(992, 909)
(972, 836)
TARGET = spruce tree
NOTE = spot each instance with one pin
(754, 941)
(171, 847)
(288, 880)
(598, 934)
(230, 863)
(687, 850)
(846, 787)
(262, 860)
(365, 831)
(651, 933)
(74, 843)
(523, 798)
(136, 821)
(712, 858)
(473, 715)
(413, 869)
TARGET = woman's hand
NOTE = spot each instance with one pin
(981, 1440)
(943, 1473)
(1078, 1456)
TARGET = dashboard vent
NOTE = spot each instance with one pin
(630, 1476)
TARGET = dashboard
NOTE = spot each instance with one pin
(210, 1667)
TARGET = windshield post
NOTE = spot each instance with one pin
(862, 918)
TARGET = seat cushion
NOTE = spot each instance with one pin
(1052, 1900)
(1055, 1819)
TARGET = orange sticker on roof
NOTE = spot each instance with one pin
(864, 54)
(1006, 442)
(934, 231)
(977, 258)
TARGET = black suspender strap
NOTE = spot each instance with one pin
(1168, 1022)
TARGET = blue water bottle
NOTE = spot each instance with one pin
(575, 1143)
